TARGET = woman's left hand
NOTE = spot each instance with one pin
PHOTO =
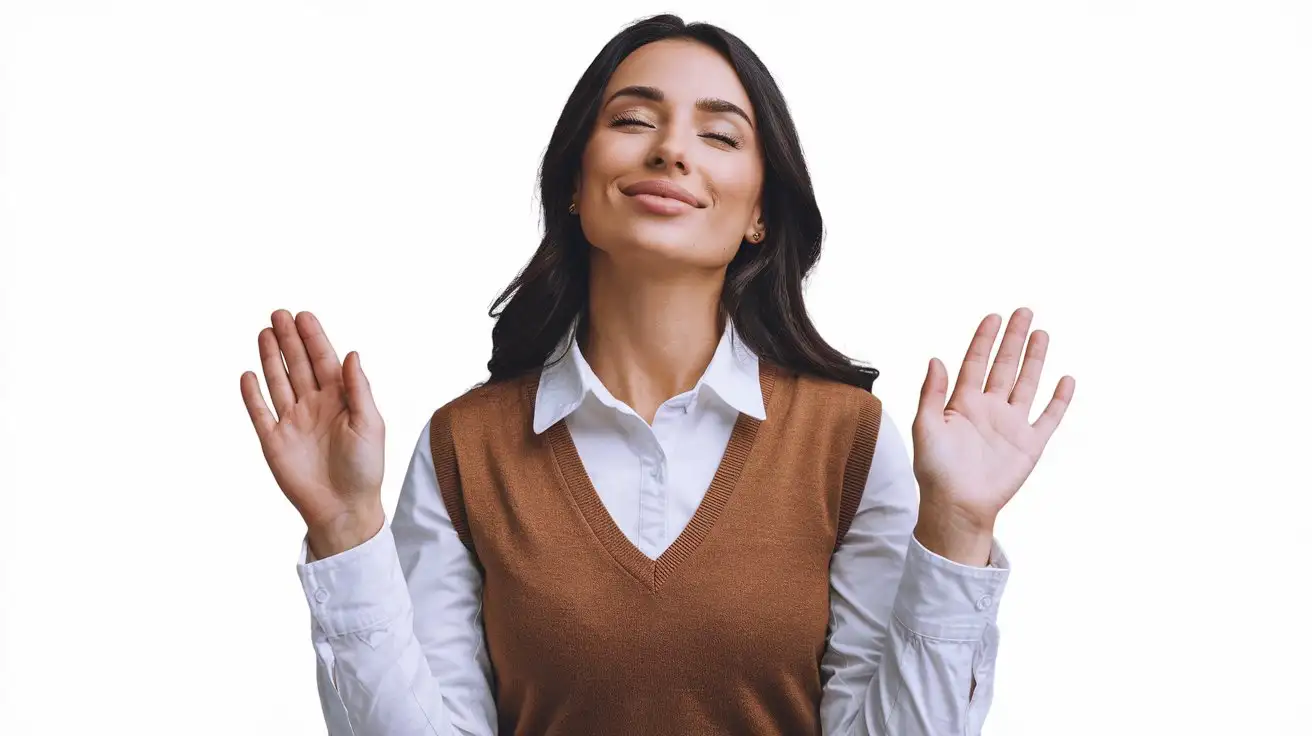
(971, 456)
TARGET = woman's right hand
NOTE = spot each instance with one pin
(325, 444)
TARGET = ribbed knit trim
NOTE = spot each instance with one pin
(448, 476)
(858, 463)
(654, 573)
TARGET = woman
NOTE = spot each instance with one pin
(672, 508)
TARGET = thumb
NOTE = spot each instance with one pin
(933, 393)
(359, 399)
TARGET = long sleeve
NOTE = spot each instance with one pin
(908, 628)
(382, 670)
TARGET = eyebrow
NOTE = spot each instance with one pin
(705, 104)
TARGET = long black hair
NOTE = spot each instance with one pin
(763, 284)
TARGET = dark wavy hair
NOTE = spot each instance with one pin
(763, 284)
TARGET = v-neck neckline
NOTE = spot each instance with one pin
(654, 572)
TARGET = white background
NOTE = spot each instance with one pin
(1140, 174)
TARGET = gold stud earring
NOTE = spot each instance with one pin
(573, 208)
(756, 236)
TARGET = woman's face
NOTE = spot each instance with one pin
(675, 125)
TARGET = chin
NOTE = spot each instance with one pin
(668, 248)
(660, 242)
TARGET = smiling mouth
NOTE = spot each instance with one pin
(661, 189)
(654, 204)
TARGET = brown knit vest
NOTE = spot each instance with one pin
(723, 634)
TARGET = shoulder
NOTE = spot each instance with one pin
(491, 396)
(833, 390)
(826, 397)
(488, 405)
(826, 413)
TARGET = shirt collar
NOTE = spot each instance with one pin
(733, 375)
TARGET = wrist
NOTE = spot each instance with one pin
(347, 531)
(955, 536)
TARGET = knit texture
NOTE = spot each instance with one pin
(723, 633)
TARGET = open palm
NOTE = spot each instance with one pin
(325, 444)
(973, 455)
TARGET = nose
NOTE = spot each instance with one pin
(669, 153)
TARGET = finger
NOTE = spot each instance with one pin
(359, 397)
(933, 392)
(293, 353)
(323, 359)
(275, 376)
(261, 417)
(1048, 421)
(1030, 371)
(1003, 374)
(971, 375)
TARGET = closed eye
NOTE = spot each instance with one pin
(729, 140)
(622, 120)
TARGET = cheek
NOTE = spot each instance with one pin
(735, 191)
(607, 156)
(588, 167)
(597, 159)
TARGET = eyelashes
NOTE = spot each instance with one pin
(728, 139)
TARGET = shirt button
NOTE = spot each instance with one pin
(984, 602)
(320, 595)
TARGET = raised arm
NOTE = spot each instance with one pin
(382, 670)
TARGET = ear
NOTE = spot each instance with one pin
(755, 233)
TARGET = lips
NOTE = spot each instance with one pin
(662, 188)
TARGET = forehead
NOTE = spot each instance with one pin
(684, 70)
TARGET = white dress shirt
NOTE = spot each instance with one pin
(396, 622)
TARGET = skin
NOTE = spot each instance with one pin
(656, 279)
(655, 285)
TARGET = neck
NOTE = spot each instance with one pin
(650, 337)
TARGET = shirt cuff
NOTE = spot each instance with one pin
(942, 599)
(360, 589)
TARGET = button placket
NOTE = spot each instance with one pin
(651, 493)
